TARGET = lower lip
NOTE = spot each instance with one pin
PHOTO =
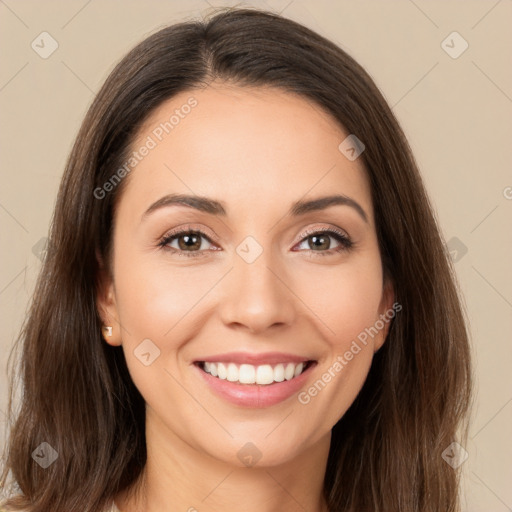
(256, 395)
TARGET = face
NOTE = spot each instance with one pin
(249, 281)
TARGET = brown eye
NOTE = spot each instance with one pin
(189, 242)
(319, 242)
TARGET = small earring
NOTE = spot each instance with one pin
(108, 330)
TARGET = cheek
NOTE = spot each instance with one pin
(345, 299)
(347, 306)
(155, 302)
(163, 303)
(153, 296)
(336, 386)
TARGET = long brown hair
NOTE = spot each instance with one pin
(386, 451)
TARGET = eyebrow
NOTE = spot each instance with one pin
(214, 207)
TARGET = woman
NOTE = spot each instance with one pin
(246, 300)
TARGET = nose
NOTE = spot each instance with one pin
(257, 296)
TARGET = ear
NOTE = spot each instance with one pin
(106, 305)
(387, 312)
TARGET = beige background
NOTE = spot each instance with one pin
(455, 111)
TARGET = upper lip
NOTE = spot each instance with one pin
(255, 359)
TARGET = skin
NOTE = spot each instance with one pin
(258, 150)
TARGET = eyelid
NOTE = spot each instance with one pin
(321, 229)
(203, 230)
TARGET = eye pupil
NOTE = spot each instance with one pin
(191, 241)
(323, 239)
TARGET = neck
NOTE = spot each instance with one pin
(179, 477)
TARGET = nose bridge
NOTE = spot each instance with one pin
(256, 295)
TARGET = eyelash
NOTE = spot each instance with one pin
(345, 242)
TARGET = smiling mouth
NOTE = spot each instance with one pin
(263, 375)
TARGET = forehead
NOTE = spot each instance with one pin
(248, 146)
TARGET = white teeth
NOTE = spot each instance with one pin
(250, 374)
(221, 369)
(247, 374)
(232, 373)
(264, 374)
(290, 371)
(279, 373)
